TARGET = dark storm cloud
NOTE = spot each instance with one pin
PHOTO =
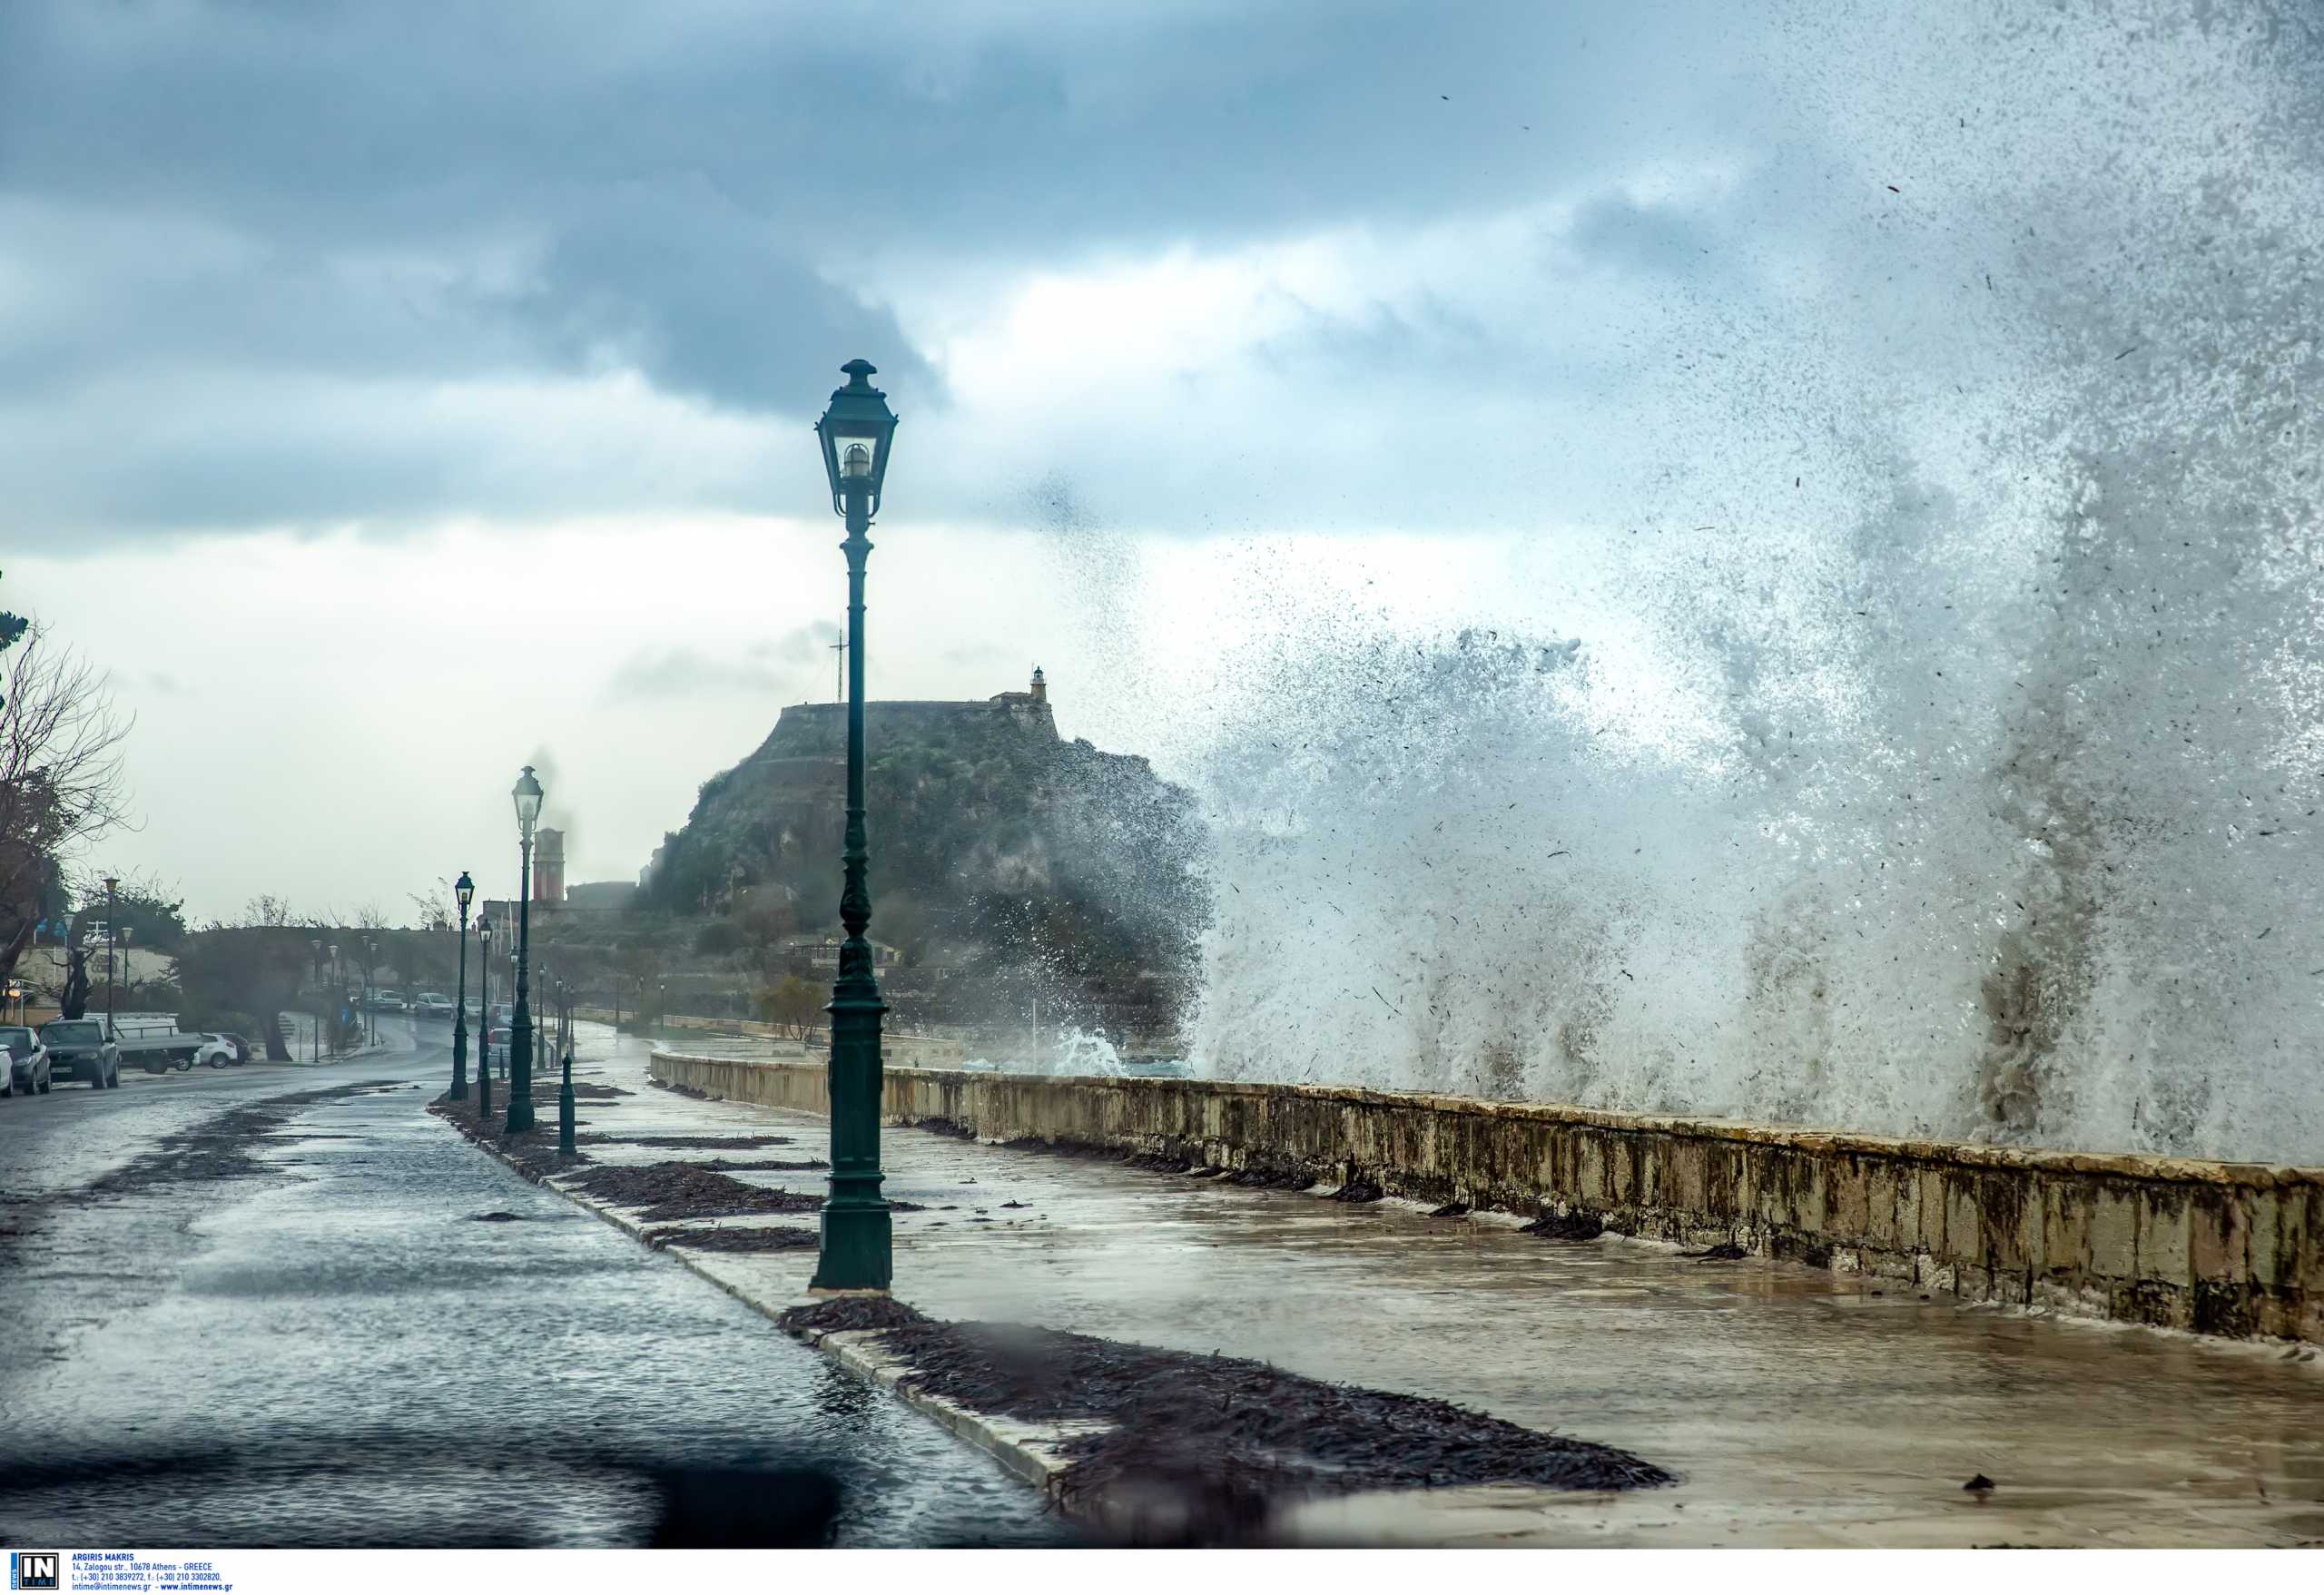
(704, 299)
(249, 235)
(968, 127)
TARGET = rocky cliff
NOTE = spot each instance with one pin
(998, 848)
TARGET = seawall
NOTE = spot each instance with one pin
(2220, 1248)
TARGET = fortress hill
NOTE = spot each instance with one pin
(995, 842)
(820, 730)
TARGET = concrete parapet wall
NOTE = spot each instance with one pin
(2220, 1248)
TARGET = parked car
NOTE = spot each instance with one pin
(433, 1005)
(243, 1050)
(79, 1046)
(387, 999)
(215, 1050)
(495, 1046)
(28, 1067)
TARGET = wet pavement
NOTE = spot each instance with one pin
(338, 1348)
(1798, 1407)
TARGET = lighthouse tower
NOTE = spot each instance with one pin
(1041, 686)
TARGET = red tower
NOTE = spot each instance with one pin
(549, 865)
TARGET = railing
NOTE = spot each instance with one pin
(138, 1030)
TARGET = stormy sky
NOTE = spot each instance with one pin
(392, 394)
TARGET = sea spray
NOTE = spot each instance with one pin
(1929, 738)
(1976, 788)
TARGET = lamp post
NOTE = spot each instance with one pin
(111, 914)
(484, 1019)
(565, 1091)
(337, 993)
(857, 1240)
(463, 894)
(527, 795)
(370, 1001)
(315, 962)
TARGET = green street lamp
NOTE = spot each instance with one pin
(484, 1019)
(463, 894)
(113, 932)
(858, 1247)
(565, 1091)
(527, 795)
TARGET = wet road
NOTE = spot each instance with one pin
(301, 1333)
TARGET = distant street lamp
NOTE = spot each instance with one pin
(463, 894)
(527, 795)
(484, 1019)
(315, 946)
(857, 1232)
(565, 1091)
(338, 994)
(112, 914)
(370, 1001)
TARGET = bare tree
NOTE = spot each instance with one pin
(59, 774)
(266, 910)
(435, 904)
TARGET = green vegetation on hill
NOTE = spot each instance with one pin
(996, 847)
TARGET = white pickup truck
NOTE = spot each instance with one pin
(157, 1045)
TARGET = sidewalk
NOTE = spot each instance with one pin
(1798, 1407)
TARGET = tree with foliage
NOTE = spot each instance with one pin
(790, 1003)
(243, 976)
(155, 912)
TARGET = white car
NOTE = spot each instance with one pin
(433, 1005)
(217, 1051)
(23, 1061)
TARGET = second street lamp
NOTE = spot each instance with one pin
(565, 1091)
(527, 795)
(463, 894)
(484, 1019)
(857, 1233)
(112, 918)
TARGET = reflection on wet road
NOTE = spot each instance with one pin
(335, 1346)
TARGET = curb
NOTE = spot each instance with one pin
(1028, 1451)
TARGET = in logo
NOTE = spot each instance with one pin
(33, 1569)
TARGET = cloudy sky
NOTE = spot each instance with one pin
(394, 393)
